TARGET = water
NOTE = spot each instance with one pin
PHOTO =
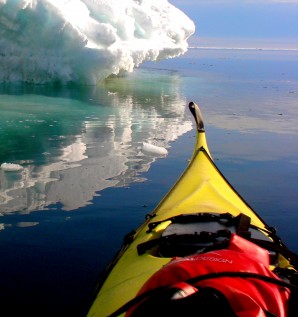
(94, 135)
(86, 181)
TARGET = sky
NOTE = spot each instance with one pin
(243, 23)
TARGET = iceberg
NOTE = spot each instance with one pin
(85, 41)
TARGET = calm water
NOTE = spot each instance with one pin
(86, 181)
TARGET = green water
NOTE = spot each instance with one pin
(72, 145)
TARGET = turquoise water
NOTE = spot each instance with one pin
(91, 134)
(86, 181)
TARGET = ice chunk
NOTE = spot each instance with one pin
(11, 167)
(154, 149)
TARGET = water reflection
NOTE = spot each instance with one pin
(71, 147)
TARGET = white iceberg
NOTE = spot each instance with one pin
(84, 41)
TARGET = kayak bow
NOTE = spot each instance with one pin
(195, 214)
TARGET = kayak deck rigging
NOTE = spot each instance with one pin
(190, 233)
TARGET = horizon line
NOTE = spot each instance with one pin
(243, 48)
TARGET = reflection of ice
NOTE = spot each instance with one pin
(26, 224)
(105, 154)
(74, 152)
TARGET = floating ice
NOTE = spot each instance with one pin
(154, 149)
(10, 167)
(58, 41)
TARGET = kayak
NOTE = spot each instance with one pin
(202, 210)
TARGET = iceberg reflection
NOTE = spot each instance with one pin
(87, 146)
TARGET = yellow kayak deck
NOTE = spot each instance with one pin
(201, 189)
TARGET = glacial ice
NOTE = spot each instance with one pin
(11, 167)
(154, 149)
(85, 41)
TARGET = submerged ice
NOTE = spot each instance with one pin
(84, 41)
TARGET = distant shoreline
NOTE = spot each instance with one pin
(241, 48)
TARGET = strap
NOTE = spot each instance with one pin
(202, 237)
(242, 224)
(279, 248)
(191, 218)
